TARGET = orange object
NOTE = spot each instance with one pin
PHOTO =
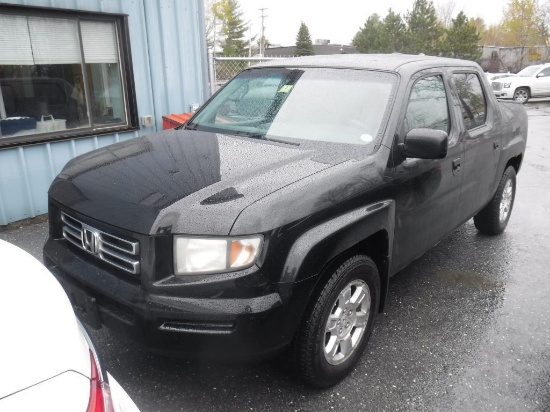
(174, 120)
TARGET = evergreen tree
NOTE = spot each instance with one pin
(424, 29)
(304, 46)
(381, 36)
(395, 32)
(370, 38)
(461, 40)
(233, 27)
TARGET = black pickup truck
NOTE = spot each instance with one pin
(271, 222)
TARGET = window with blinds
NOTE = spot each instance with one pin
(61, 75)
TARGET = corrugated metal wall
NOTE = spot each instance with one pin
(512, 59)
(170, 73)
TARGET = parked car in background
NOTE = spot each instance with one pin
(533, 81)
(272, 221)
(496, 76)
(47, 360)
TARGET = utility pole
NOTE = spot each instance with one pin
(249, 39)
(262, 41)
(214, 41)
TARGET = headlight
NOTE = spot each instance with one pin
(209, 255)
(507, 85)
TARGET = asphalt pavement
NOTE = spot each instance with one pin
(466, 327)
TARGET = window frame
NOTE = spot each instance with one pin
(414, 80)
(126, 72)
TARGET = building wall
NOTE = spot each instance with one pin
(512, 59)
(170, 73)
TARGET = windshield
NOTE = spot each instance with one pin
(529, 71)
(329, 105)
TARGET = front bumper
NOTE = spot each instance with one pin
(250, 328)
(504, 94)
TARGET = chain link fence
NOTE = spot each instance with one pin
(222, 69)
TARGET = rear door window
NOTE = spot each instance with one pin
(472, 99)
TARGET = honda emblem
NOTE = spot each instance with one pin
(90, 240)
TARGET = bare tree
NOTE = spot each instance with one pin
(544, 25)
(445, 12)
(492, 36)
(210, 24)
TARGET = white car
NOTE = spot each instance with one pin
(533, 81)
(496, 76)
(47, 360)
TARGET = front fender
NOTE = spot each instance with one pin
(321, 245)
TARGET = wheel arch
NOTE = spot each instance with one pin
(366, 231)
(523, 87)
(515, 162)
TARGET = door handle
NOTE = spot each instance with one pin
(456, 165)
(495, 145)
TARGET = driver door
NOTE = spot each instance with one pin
(427, 192)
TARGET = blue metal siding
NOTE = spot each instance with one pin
(170, 73)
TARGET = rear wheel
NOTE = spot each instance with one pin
(338, 324)
(494, 217)
(521, 95)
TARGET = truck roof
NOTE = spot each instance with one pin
(391, 62)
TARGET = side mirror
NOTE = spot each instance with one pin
(425, 144)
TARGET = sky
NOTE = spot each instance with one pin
(339, 20)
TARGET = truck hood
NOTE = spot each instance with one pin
(183, 181)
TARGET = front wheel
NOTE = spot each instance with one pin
(337, 324)
(494, 217)
(521, 95)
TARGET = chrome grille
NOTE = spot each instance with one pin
(121, 253)
(497, 86)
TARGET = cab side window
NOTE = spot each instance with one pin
(544, 73)
(427, 106)
(472, 99)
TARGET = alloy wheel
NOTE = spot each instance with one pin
(506, 200)
(347, 322)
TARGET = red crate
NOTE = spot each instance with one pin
(174, 120)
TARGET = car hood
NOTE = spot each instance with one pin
(41, 337)
(514, 79)
(183, 181)
(503, 78)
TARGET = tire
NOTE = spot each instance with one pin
(494, 217)
(522, 95)
(339, 318)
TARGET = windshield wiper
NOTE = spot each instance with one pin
(188, 126)
(248, 134)
(262, 137)
(272, 139)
